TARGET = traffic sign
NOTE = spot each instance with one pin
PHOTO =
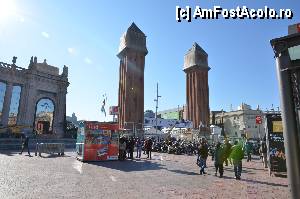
(114, 110)
(258, 119)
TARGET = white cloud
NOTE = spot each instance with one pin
(88, 60)
(46, 35)
(72, 51)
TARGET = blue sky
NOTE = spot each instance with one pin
(85, 36)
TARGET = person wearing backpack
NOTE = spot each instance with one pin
(227, 150)
(237, 155)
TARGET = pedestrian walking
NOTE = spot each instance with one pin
(144, 146)
(138, 148)
(131, 147)
(219, 159)
(202, 155)
(248, 149)
(122, 149)
(149, 148)
(127, 147)
(237, 155)
(227, 150)
(263, 151)
(25, 143)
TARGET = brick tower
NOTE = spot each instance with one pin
(132, 52)
(197, 94)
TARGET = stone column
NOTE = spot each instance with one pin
(30, 105)
(6, 104)
(22, 105)
(59, 113)
(132, 54)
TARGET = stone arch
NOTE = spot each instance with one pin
(44, 120)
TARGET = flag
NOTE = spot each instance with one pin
(103, 104)
(103, 110)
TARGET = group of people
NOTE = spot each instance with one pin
(222, 153)
(126, 147)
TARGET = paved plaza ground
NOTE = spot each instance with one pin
(165, 176)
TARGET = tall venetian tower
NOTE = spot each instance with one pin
(197, 93)
(132, 52)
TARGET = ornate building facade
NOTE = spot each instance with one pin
(132, 52)
(27, 95)
(197, 93)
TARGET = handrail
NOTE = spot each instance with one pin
(10, 66)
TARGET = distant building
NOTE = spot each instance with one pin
(240, 122)
(27, 93)
(174, 113)
(167, 123)
(72, 119)
(149, 113)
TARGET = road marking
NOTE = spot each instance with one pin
(113, 178)
(77, 165)
(161, 158)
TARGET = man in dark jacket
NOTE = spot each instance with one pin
(227, 150)
(131, 148)
(249, 148)
(219, 158)
(202, 155)
(149, 148)
(263, 151)
(25, 143)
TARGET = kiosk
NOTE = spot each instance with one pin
(275, 145)
(97, 141)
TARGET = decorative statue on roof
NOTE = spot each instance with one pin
(65, 71)
(31, 61)
(14, 60)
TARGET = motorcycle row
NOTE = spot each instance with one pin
(177, 147)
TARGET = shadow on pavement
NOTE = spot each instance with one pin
(257, 182)
(243, 170)
(266, 183)
(129, 165)
(53, 156)
(252, 168)
(183, 172)
(15, 153)
(9, 153)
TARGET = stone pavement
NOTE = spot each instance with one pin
(165, 176)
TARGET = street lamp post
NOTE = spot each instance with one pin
(156, 107)
(287, 54)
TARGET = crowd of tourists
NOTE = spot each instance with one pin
(127, 146)
(222, 153)
(227, 153)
